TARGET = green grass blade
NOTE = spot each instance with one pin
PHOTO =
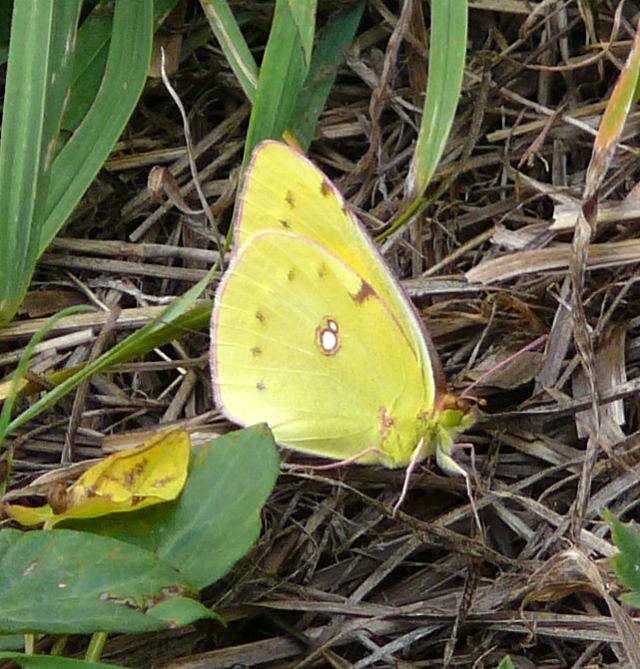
(284, 70)
(616, 113)
(38, 76)
(446, 67)
(90, 58)
(235, 48)
(336, 36)
(157, 332)
(62, 54)
(125, 75)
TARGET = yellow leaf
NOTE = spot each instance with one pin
(129, 480)
(29, 515)
(149, 474)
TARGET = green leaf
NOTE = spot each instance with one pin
(180, 611)
(448, 36)
(217, 515)
(65, 582)
(506, 663)
(91, 51)
(626, 563)
(125, 74)
(38, 79)
(336, 36)
(41, 183)
(90, 59)
(235, 48)
(283, 71)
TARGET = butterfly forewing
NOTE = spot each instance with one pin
(305, 343)
(285, 192)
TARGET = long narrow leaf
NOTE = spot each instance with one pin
(336, 36)
(446, 67)
(284, 70)
(38, 75)
(238, 55)
(125, 75)
(615, 115)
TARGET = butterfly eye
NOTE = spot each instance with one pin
(327, 336)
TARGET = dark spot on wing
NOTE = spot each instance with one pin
(261, 386)
(291, 274)
(365, 292)
(387, 423)
(285, 224)
(256, 351)
(325, 188)
(261, 317)
(290, 200)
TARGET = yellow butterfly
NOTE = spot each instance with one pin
(312, 334)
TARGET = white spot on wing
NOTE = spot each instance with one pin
(328, 336)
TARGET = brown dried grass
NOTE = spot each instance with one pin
(335, 580)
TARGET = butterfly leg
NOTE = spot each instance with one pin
(348, 461)
(451, 467)
(416, 457)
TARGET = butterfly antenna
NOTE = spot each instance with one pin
(503, 363)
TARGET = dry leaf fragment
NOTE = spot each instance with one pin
(129, 480)
(610, 373)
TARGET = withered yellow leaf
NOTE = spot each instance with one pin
(129, 480)
(29, 515)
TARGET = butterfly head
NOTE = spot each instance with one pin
(439, 427)
(456, 414)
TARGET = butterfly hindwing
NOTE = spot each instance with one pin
(305, 343)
